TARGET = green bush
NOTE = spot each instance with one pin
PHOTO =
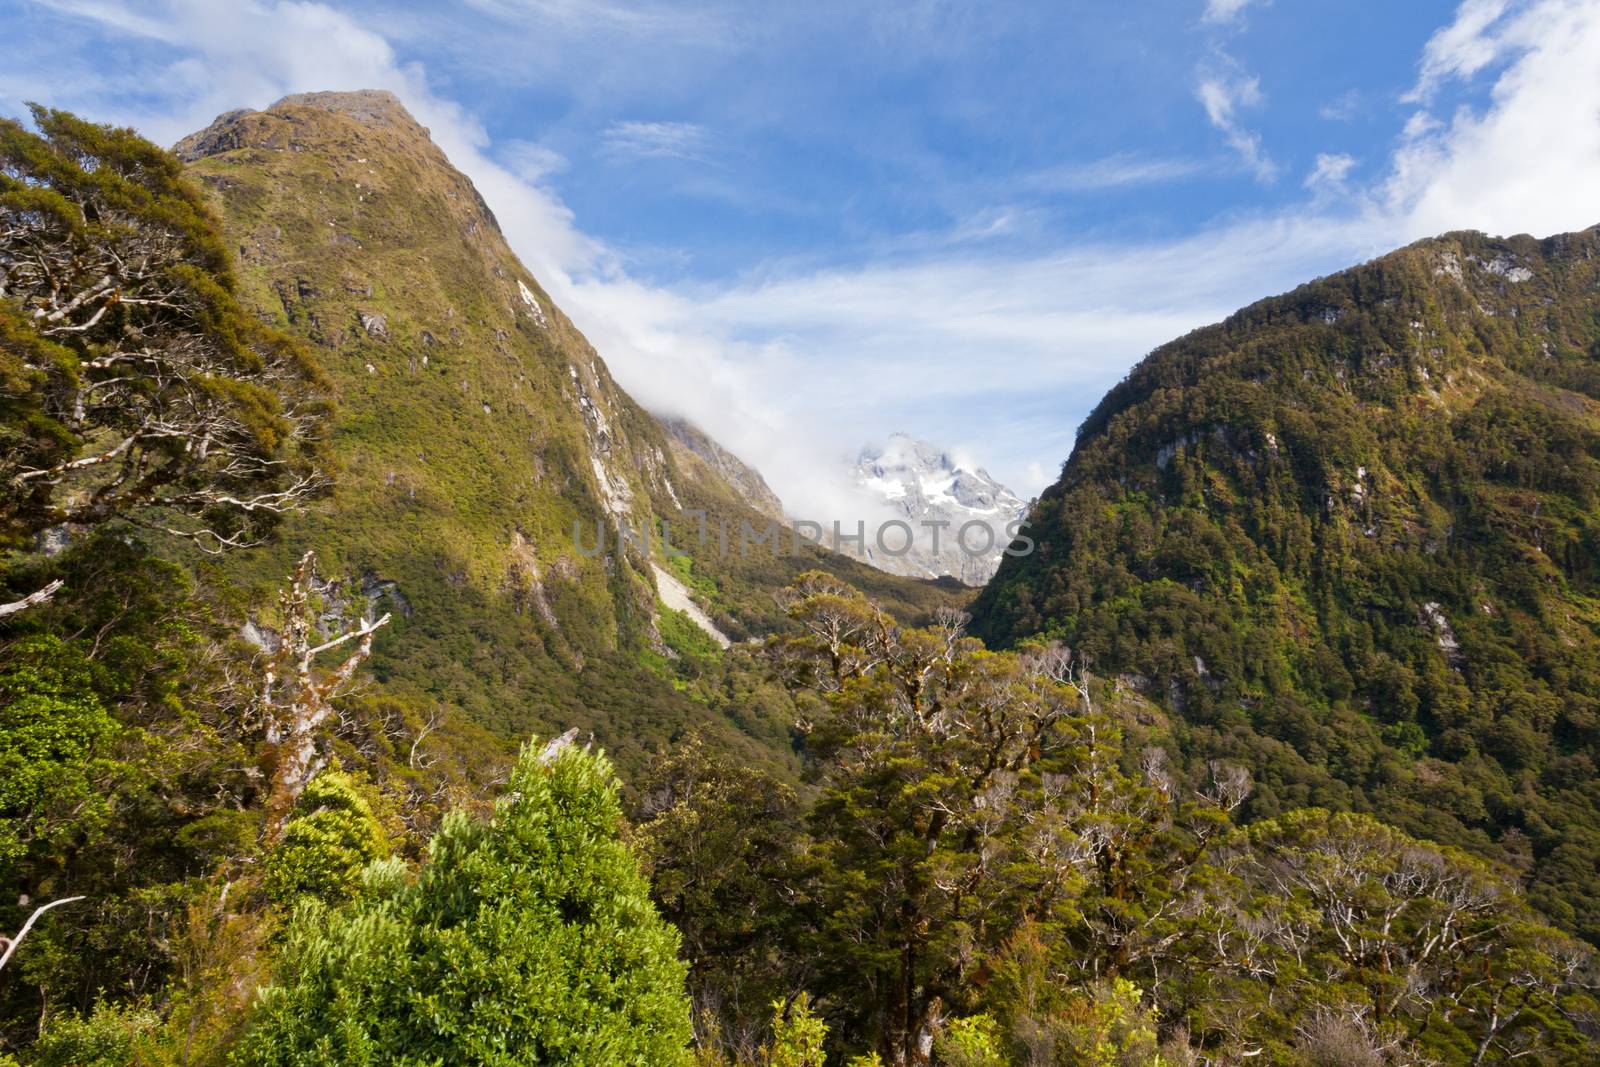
(528, 938)
(970, 1042)
(330, 837)
(109, 1037)
(58, 737)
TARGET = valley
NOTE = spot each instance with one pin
(381, 683)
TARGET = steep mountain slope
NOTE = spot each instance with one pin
(692, 446)
(1352, 535)
(931, 491)
(482, 446)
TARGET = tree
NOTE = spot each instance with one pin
(8, 945)
(1406, 945)
(993, 875)
(295, 698)
(133, 382)
(528, 938)
(940, 825)
(122, 778)
(722, 843)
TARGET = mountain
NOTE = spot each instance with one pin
(1351, 536)
(481, 449)
(691, 446)
(936, 496)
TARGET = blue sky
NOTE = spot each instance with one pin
(806, 226)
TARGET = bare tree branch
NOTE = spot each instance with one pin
(11, 943)
(31, 600)
(295, 698)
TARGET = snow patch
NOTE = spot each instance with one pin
(937, 494)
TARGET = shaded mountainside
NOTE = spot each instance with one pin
(477, 429)
(1351, 536)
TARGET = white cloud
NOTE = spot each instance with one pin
(596, 16)
(1530, 160)
(1112, 172)
(1342, 108)
(1460, 49)
(530, 161)
(1226, 10)
(1223, 95)
(656, 140)
(1330, 171)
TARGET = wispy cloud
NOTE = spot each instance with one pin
(591, 16)
(1224, 94)
(656, 140)
(1112, 172)
(1227, 10)
(1330, 171)
(1460, 49)
(1341, 108)
(530, 161)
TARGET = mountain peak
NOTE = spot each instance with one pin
(374, 109)
(928, 486)
(366, 106)
(745, 480)
(904, 450)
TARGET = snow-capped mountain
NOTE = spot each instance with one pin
(958, 513)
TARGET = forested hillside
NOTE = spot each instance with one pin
(1351, 538)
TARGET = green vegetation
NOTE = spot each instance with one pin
(1348, 538)
(330, 838)
(134, 381)
(528, 938)
(56, 761)
(992, 868)
(466, 445)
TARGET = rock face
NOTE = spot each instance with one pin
(676, 595)
(1371, 508)
(371, 108)
(687, 439)
(960, 515)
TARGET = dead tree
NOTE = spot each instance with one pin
(296, 698)
(8, 945)
(32, 599)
